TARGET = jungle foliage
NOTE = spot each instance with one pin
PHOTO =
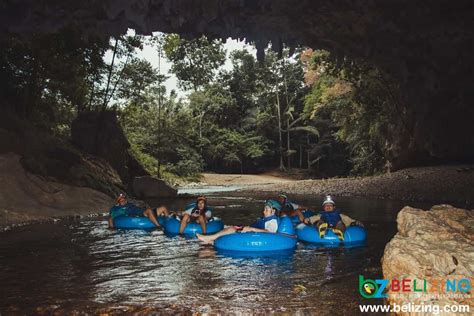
(304, 110)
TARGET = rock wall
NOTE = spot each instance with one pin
(56, 159)
(434, 245)
(100, 134)
(26, 197)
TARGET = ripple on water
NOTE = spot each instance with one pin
(83, 265)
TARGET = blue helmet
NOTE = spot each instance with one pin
(273, 204)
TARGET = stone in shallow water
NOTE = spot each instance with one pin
(151, 187)
(435, 245)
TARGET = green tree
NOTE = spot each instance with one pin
(194, 62)
(361, 103)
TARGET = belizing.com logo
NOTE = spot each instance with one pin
(369, 288)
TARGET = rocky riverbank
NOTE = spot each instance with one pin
(448, 184)
(436, 246)
(216, 179)
(25, 197)
(43, 175)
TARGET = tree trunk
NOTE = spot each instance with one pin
(159, 116)
(104, 104)
(91, 97)
(288, 143)
(119, 79)
(109, 77)
(308, 161)
(280, 140)
(33, 87)
(301, 157)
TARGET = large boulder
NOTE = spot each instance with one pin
(151, 187)
(434, 245)
(67, 165)
(100, 134)
(55, 159)
(28, 197)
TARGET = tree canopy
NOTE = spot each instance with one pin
(306, 109)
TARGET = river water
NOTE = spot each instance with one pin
(81, 266)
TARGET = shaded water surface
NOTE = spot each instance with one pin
(82, 266)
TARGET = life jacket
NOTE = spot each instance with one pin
(260, 223)
(202, 212)
(332, 218)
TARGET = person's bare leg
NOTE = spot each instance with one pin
(341, 226)
(339, 230)
(184, 222)
(209, 239)
(151, 216)
(202, 221)
(162, 211)
(111, 222)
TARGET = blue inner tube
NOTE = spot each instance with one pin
(128, 222)
(253, 242)
(284, 239)
(354, 235)
(306, 214)
(212, 227)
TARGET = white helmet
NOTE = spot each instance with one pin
(328, 200)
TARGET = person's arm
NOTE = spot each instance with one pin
(313, 219)
(297, 207)
(350, 221)
(270, 227)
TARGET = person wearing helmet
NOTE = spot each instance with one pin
(268, 224)
(331, 218)
(289, 208)
(124, 208)
(199, 212)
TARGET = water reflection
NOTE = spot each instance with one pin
(84, 266)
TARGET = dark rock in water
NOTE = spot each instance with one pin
(150, 187)
(100, 134)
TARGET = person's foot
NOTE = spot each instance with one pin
(205, 239)
(322, 229)
(338, 233)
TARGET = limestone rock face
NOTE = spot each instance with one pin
(150, 187)
(100, 134)
(55, 159)
(434, 245)
(26, 197)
